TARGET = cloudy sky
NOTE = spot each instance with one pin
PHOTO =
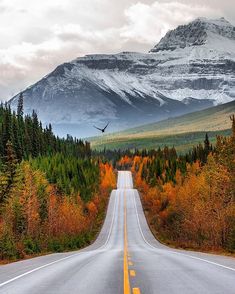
(36, 36)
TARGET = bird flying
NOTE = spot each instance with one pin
(102, 130)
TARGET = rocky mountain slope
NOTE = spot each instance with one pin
(192, 67)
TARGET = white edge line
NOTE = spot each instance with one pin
(36, 269)
(112, 222)
(64, 258)
(174, 252)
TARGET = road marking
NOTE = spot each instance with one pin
(125, 260)
(112, 222)
(67, 257)
(130, 263)
(136, 291)
(132, 273)
(36, 269)
(174, 252)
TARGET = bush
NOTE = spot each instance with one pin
(31, 246)
(231, 237)
(55, 245)
(8, 248)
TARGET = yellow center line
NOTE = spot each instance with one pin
(132, 273)
(125, 259)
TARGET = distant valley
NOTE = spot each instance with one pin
(183, 132)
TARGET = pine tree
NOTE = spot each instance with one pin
(17, 138)
(7, 177)
(20, 132)
(35, 135)
(20, 107)
(6, 127)
(207, 148)
(11, 160)
(207, 143)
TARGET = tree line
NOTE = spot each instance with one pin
(30, 139)
(53, 194)
(71, 174)
(189, 199)
(122, 158)
(37, 217)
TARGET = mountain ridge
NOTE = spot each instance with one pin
(130, 89)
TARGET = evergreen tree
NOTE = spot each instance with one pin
(9, 169)
(35, 135)
(207, 145)
(6, 127)
(20, 107)
(29, 138)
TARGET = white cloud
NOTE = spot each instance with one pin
(37, 36)
(148, 23)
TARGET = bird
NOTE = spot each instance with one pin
(102, 130)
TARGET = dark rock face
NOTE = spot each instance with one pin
(187, 71)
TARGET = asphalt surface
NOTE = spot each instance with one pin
(125, 258)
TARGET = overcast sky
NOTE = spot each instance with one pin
(36, 36)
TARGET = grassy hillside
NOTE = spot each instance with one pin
(183, 132)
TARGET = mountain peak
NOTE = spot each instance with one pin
(212, 24)
(196, 33)
(218, 21)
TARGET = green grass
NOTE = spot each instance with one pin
(183, 132)
(211, 119)
(182, 142)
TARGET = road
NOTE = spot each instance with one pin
(125, 258)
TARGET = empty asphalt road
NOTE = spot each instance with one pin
(125, 258)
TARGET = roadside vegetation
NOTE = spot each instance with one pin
(189, 200)
(53, 195)
(54, 192)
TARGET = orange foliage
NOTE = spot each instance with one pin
(108, 179)
(197, 210)
(92, 209)
(37, 212)
(125, 160)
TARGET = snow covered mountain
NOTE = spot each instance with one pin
(192, 67)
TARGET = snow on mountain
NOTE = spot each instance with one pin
(200, 32)
(191, 68)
